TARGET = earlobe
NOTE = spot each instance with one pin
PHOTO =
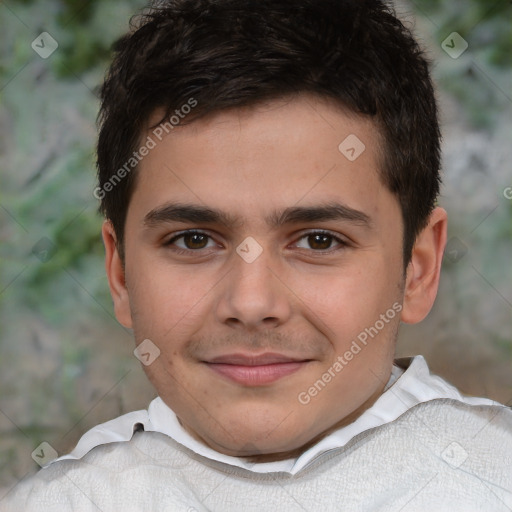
(116, 276)
(424, 269)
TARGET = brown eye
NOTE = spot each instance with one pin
(321, 241)
(191, 241)
(195, 240)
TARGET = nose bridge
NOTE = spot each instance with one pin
(252, 294)
(252, 275)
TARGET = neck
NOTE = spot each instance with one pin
(297, 452)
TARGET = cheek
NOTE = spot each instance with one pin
(352, 298)
(364, 323)
(166, 299)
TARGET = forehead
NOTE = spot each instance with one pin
(311, 110)
(279, 153)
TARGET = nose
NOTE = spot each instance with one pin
(252, 296)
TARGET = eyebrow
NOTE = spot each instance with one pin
(189, 213)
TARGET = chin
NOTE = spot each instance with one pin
(261, 435)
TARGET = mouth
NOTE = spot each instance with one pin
(252, 370)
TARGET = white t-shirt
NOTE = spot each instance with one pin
(421, 446)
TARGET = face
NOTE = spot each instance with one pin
(266, 266)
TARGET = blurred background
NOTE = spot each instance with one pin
(67, 365)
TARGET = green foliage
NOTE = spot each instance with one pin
(80, 55)
(54, 202)
(485, 25)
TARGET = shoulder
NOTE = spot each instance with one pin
(463, 444)
(448, 415)
(442, 454)
(141, 474)
(482, 432)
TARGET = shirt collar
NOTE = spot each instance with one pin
(410, 383)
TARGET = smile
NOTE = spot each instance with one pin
(255, 370)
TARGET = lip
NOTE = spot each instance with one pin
(253, 359)
(255, 370)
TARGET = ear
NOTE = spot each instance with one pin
(424, 269)
(115, 275)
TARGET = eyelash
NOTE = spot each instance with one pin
(343, 244)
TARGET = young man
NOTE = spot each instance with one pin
(268, 172)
